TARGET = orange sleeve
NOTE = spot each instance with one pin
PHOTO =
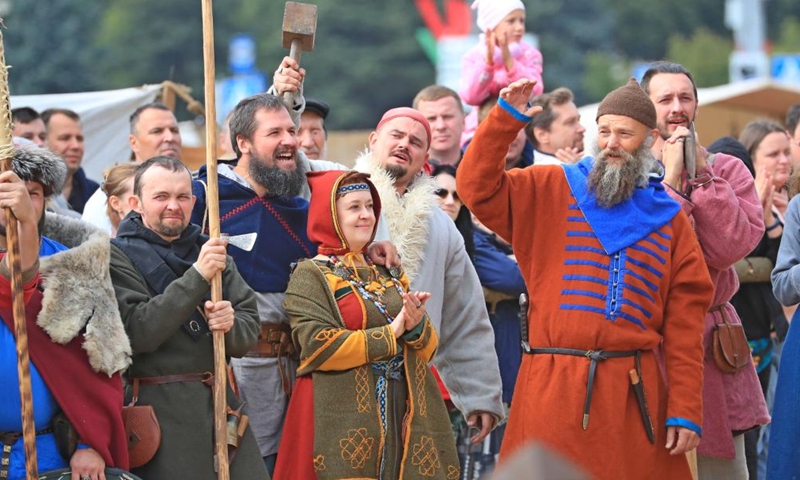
(689, 298)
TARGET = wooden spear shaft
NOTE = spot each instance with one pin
(15, 270)
(212, 200)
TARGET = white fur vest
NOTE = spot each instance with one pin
(408, 215)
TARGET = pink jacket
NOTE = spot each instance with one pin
(728, 221)
(479, 80)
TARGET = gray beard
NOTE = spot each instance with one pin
(615, 184)
(276, 180)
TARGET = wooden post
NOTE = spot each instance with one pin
(212, 200)
(15, 269)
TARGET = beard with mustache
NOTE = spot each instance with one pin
(397, 171)
(613, 184)
(277, 181)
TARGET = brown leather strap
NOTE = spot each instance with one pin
(274, 341)
(721, 310)
(206, 377)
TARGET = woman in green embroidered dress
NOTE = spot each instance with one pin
(365, 404)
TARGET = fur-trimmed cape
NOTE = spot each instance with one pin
(78, 293)
(408, 215)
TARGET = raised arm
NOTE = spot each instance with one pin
(484, 185)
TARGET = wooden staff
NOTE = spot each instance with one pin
(212, 200)
(15, 270)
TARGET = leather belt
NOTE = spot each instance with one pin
(206, 377)
(8, 439)
(275, 341)
(594, 356)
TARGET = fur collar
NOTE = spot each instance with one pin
(78, 294)
(408, 216)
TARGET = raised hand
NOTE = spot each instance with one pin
(288, 77)
(489, 47)
(517, 95)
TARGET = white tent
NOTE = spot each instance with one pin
(724, 110)
(104, 116)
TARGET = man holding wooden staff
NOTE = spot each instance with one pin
(161, 267)
(77, 391)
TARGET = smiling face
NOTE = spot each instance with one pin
(165, 201)
(274, 141)
(675, 102)
(401, 148)
(774, 153)
(356, 216)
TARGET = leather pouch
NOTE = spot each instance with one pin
(754, 269)
(730, 348)
(65, 434)
(142, 430)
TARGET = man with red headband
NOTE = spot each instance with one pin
(435, 261)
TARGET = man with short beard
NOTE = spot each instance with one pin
(162, 267)
(727, 214)
(614, 271)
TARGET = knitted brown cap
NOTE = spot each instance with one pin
(630, 101)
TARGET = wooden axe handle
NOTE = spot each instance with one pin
(294, 52)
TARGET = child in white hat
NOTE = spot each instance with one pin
(500, 57)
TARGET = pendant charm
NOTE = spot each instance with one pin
(395, 272)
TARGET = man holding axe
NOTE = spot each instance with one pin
(161, 267)
(718, 194)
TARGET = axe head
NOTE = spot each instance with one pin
(300, 23)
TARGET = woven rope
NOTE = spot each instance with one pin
(6, 127)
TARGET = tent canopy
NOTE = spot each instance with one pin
(104, 117)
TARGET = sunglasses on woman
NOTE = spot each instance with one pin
(443, 193)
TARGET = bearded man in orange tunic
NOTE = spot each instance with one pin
(614, 272)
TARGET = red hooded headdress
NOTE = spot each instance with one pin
(323, 223)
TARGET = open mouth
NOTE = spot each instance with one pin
(402, 156)
(286, 157)
(678, 121)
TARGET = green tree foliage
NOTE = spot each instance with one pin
(789, 39)
(567, 29)
(705, 54)
(604, 73)
(49, 46)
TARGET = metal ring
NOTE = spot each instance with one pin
(419, 304)
(86, 477)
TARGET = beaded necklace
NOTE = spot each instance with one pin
(367, 290)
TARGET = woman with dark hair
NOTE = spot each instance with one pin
(449, 201)
(365, 404)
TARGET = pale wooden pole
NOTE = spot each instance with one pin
(15, 270)
(212, 200)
